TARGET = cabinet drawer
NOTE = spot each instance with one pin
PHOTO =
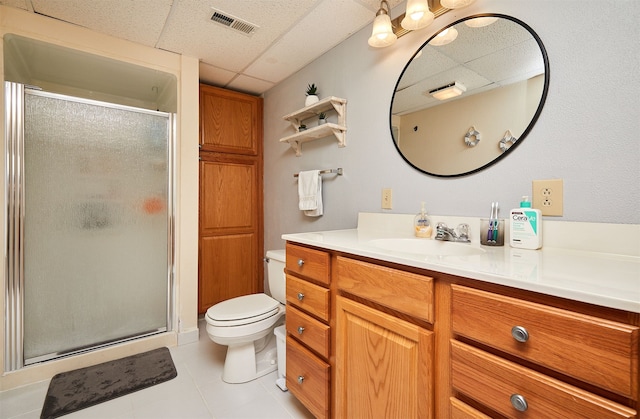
(460, 410)
(502, 385)
(591, 349)
(309, 331)
(405, 292)
(313, 264)
(308, 378)
(309, 297)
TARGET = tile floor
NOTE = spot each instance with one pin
(197, 392)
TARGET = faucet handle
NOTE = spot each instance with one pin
(441, 225)
(463, 232)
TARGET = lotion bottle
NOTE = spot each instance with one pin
(525, 230)
(422, 225)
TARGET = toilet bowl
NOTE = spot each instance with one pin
(245, 325)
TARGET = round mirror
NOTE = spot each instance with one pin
(469, 95)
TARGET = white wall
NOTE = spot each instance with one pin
(586, 134)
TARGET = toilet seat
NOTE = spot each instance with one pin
(242, 310)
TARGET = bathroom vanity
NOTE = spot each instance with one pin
(466, 333)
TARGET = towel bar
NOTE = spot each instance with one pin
(338, 171)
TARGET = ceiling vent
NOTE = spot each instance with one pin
(233, 22)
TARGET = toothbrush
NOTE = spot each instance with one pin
(496, 223)
(490, 231)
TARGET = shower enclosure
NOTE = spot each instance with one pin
(88, 188)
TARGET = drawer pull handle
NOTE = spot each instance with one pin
(519, 402)
(300, 379)
(519, 333)
(300, 329)
(300, 296)
(300, 262)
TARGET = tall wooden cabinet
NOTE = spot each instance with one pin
(230, 215)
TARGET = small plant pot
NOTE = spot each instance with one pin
(302, 128)
(322, 121)
(310, 100)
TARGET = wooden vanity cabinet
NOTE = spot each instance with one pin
(504, 350)
(308, 374)
(391, 341)
(384, 361)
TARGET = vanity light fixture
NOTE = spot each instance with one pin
(445, 37)
(382, 34)
(447, 92)
(417, 16)
(456, 4)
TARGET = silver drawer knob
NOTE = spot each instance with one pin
(300, 329)
(300, 262)
(519, 333)
(300, 379)
(300, 296)
(519, 403)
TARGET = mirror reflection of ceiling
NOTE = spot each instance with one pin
(480, 58)
(505, 73)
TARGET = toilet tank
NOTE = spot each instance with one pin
(275, 274)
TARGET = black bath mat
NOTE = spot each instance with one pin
(85, 387)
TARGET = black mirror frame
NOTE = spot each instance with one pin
(545, 91)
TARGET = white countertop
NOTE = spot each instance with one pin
(605, 279)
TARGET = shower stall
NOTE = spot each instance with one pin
(89, 242)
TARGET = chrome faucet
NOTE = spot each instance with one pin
(460, 234)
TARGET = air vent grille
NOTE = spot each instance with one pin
(233, 22)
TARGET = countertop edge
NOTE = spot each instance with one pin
(355, 247)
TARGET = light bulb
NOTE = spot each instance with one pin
(417, 16)
(382, 34)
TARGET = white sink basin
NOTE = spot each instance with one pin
(427, 247)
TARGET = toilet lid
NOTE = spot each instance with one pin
(255, 307)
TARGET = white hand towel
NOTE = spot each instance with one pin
(310, 192)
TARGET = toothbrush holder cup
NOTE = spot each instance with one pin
(488, 236)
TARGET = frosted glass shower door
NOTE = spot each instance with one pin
(96, 224)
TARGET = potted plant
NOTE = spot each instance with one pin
(322, 118)
(312, 96)
(302, 127)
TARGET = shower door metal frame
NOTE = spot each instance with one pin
(14, 223)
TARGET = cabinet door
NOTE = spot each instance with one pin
(230, 247)
(230, 122)
(384, 365)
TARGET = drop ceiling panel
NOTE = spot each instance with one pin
(20, 4)
(215, 75)
(332, 22)
(191, 32)
(290, 34)
(514, 63)
(473, 43)
(430, 63)
(249, 84)
(139, 21)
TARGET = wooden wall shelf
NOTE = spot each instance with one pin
(338, 129)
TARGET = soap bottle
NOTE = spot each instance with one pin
(422, 224)
(525, 230)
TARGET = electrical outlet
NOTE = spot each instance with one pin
(386, 198)
(547, 196)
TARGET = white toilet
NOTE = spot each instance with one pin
(245, 324)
